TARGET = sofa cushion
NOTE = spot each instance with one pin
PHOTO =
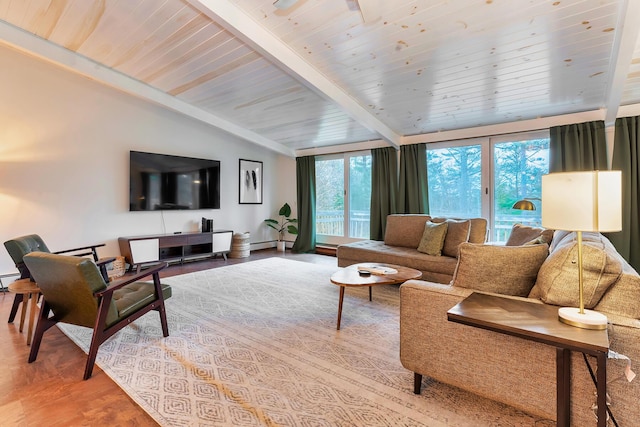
(507, 270)
(523, 234)
(477, 228)
(433, 238)
(375, 251)
(404, 230)
(457, 233)
(557, 281)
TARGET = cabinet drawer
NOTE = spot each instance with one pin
(198, 239)
(174, 240)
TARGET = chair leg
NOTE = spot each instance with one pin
(91, 357)
(43, 324)
(163, 321)
(14, 308)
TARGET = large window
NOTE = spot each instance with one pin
(485, 177)
(455, 181)
(518, 167)
(343, 197)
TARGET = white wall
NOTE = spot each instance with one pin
(64, 159)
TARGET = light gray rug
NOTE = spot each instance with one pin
(255, 344)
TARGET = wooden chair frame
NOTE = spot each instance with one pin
(100, 333)
(80, 252)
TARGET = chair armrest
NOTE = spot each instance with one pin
(84, 248)
(117, 284)
(105, 261)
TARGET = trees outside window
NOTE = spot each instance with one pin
(518, 168)
(455, 181)
(485, 177)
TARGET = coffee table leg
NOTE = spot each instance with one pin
(370, 287)
(340, 306)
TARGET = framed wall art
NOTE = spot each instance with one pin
(250, 182)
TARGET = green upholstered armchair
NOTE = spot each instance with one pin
(23, 245)
(75, 292)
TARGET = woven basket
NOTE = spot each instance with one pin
(116, 268)
(240, 246)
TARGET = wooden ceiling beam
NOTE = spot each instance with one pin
(627, 31)
(240, 24)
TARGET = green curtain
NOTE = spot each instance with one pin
(626, 158)
(306, 197)
(578, 147)
(413, 197)
(384, 188)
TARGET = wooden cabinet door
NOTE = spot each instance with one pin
(146, 250)
(221, 242)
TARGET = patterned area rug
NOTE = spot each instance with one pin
(255, 344)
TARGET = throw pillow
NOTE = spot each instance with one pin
(433, 238)
(506, 270)
(457, 233)
(523, 234)
(477, 228)
(623, 296)
(557, 281)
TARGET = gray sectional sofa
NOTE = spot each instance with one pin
(402, 238)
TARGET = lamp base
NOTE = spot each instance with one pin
(588, 320)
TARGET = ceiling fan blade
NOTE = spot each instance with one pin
(284, 4)
(371, 10)
(353, 5)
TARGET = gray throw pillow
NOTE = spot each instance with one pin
(557, 281)
(457, 233)
(433, 238)
(523, 234)
(507, 270)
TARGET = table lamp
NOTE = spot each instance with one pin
(582, 201)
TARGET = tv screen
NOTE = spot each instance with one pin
(164, 182)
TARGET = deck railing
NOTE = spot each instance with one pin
(331, 223)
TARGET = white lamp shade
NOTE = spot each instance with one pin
(582, 201)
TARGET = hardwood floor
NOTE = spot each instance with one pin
(51, 391)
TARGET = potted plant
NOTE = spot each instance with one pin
(285, 224)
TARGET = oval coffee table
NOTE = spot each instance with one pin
(350, 277)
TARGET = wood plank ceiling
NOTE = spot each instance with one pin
(315, 75)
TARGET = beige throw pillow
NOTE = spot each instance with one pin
(433, 238)
(507, 270)
(557, 281)
(523, 234)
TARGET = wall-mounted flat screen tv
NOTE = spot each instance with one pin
(164, 182)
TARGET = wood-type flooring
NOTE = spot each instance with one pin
(51, 391)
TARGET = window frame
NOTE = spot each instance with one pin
(487, 180)
(346, 156)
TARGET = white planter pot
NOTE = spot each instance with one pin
(281, 246)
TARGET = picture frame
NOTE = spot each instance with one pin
(250, 182)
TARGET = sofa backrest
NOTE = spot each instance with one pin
(406, 229)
